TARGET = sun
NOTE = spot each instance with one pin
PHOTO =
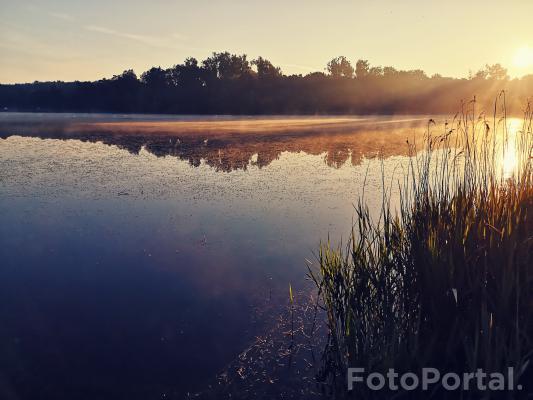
(523, 57)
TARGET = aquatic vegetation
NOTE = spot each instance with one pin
(445, 281)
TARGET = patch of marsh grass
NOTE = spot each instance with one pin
(446, 281)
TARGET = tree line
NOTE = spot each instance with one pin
(226, 83)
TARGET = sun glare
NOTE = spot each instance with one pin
(509, 158)
(523, 57)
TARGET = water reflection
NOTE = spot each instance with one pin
(126, 274)
(232, 144)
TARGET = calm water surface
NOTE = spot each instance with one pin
(141, 255)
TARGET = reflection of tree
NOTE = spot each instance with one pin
(228, 151)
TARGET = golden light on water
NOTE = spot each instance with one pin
(509, 143)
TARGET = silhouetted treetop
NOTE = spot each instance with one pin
(265, 69)
(340, 67)
(362, 68)
(227, 66)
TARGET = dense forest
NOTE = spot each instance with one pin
(231, 84)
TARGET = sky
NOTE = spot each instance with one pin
(91, 39)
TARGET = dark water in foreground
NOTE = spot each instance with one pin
(137, 261)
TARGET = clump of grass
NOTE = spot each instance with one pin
(447, 280)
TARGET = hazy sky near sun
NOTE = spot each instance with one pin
(91, 39)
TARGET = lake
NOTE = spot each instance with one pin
(142, 254)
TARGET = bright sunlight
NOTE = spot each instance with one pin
(523, 57)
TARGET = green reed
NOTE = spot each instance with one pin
(446, 281)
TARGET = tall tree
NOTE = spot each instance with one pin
(155, 77)
(340, 67)
(227, 66)
(265, 69)
(361, 68)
